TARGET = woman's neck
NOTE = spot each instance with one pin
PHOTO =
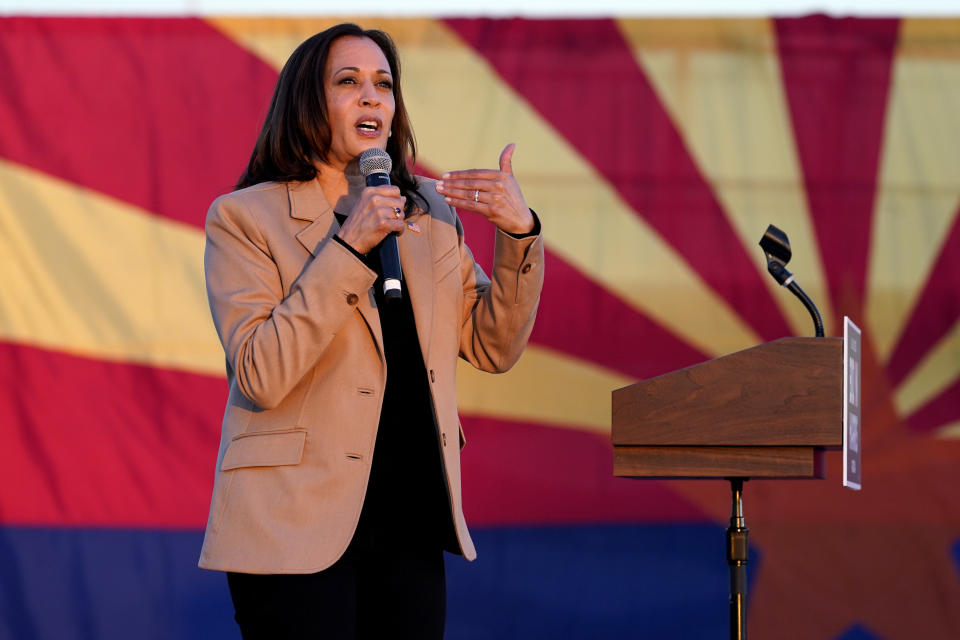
(342, 187)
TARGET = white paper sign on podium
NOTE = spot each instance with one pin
(852, 403)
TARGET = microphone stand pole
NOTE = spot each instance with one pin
(737, 559)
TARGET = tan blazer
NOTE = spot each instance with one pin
(295, 313)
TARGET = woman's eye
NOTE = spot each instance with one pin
(347, 80)
(386, 84)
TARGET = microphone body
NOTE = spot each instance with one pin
(375, 165)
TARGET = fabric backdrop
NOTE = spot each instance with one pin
(656, 153)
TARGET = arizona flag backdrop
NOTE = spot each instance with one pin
(656, 152)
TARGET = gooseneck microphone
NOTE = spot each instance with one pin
(375, 165)
(776, 247)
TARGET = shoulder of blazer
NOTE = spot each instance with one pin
(258, 197)
(266, 192)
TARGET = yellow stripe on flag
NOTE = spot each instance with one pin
(949, 432)
(545, 387)
(937, 371)
(919, 191)
(464, 114)
(720, 81)
(89, 275)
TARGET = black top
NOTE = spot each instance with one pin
(406, 502)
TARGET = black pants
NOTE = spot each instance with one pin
(368, 593)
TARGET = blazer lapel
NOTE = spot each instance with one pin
(307, 202)
(416, 260)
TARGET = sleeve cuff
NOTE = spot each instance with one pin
(533, 232)
(360, 256)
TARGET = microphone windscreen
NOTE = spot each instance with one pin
(375, 160)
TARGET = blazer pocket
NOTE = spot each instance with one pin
(265, 449)
(446, 264)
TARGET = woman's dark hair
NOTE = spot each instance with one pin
(296, 132)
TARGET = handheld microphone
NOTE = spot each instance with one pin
(375, 165)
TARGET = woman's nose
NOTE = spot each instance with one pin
(368, 97)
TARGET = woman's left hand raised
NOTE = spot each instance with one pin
(491, 193)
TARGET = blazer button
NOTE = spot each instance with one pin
(526, 268)
(352, 299)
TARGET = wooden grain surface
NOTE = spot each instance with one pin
(718, 462)
(783, 393)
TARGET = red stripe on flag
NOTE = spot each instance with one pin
(160, 113)
(92, 443)
(581, 319)
(935, 313)
(87, 443)
(519, 473)
(938, 412)
(583, 78)
(837, 77)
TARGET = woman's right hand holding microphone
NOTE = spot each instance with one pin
(377, 212)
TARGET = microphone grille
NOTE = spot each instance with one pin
(375, 160)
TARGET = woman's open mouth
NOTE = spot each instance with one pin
(368, 127)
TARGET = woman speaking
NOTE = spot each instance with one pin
(337, 484)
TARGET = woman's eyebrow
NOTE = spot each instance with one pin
(357, 69)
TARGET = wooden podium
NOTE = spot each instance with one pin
(765, 412)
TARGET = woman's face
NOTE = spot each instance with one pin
(360, 103)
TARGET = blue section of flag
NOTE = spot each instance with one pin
(94, 584)
(857, 632)
(562, 582)
(587, 582)
(956, 557)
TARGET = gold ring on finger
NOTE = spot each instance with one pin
(397, 213)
